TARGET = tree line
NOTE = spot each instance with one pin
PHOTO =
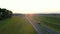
(4, 13)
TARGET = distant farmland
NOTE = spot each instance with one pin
(16, 25)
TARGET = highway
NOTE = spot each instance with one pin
(38, 27)
(32, 22)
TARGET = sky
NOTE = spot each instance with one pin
(31, 6)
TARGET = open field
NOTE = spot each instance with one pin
(16, 25)
(51, 22)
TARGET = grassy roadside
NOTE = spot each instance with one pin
(54, 20)
(16, 25)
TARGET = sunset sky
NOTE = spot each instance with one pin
(31, 6)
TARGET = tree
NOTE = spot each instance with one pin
(9, 13)
(4, 13)
(0, 13)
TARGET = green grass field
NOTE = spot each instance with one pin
(51, 22)
(16, 25)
